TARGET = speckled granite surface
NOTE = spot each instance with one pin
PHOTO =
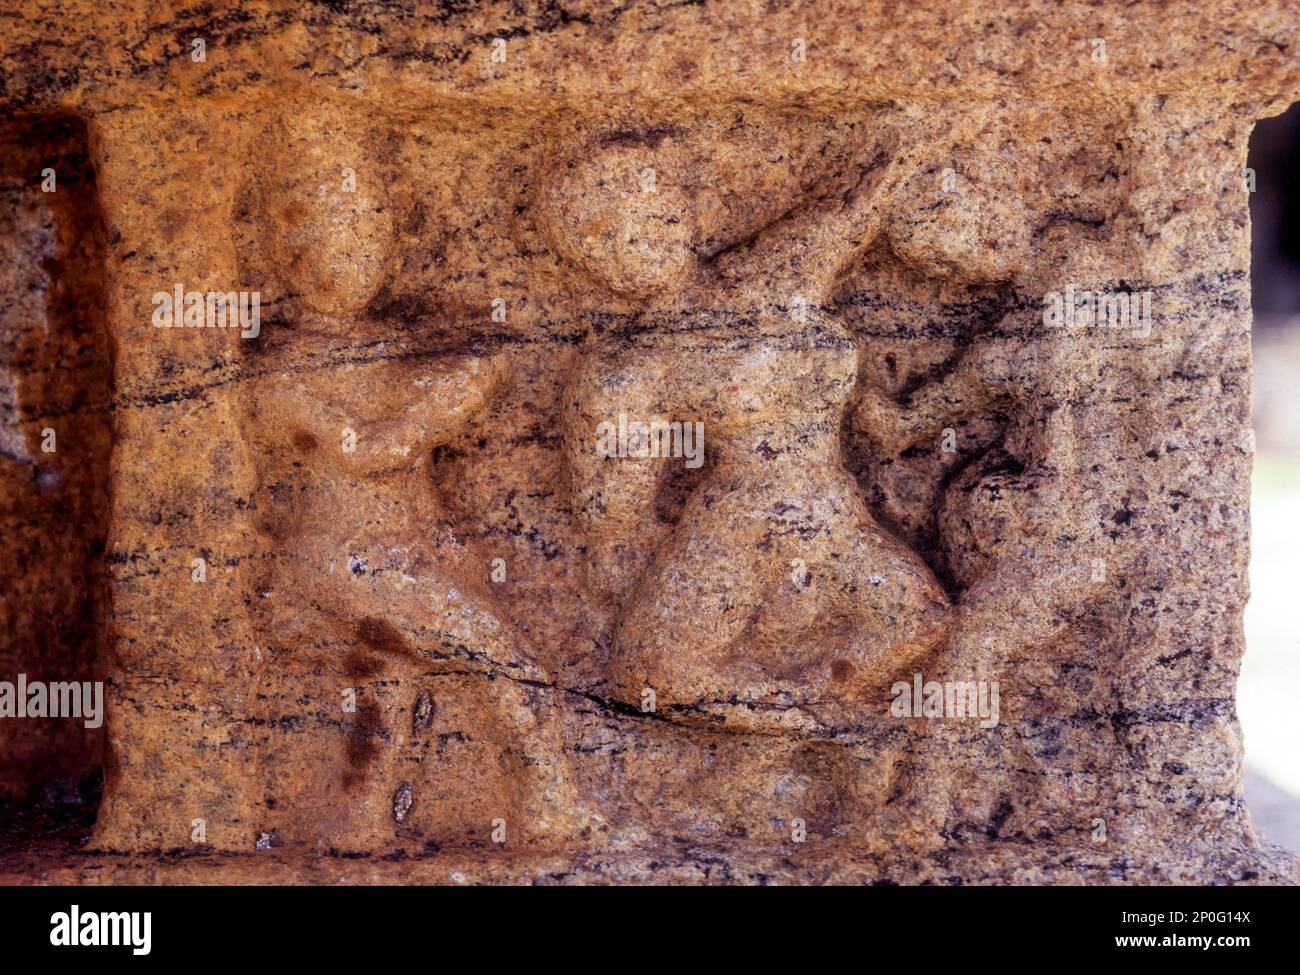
(941, 310)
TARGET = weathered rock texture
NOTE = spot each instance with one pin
(481, 234)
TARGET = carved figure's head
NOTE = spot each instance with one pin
(620, 211)
(951, 225)
(328, 226)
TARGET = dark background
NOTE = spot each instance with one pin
(1275, 219)
(1270, 674)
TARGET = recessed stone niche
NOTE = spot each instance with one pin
(424, 575)
(55, 440)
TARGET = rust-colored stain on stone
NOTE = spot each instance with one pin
(617, 448)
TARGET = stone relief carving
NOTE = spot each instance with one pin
(375, 577)
(458, 612)
(769, 600)
(756, 593)
(778, 602)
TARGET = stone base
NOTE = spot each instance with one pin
(676, 863)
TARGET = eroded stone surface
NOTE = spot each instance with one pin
(439, 637)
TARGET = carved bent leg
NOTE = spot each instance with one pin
(741, 621)
(1022, 594)
(692, 605)
(416, 608)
